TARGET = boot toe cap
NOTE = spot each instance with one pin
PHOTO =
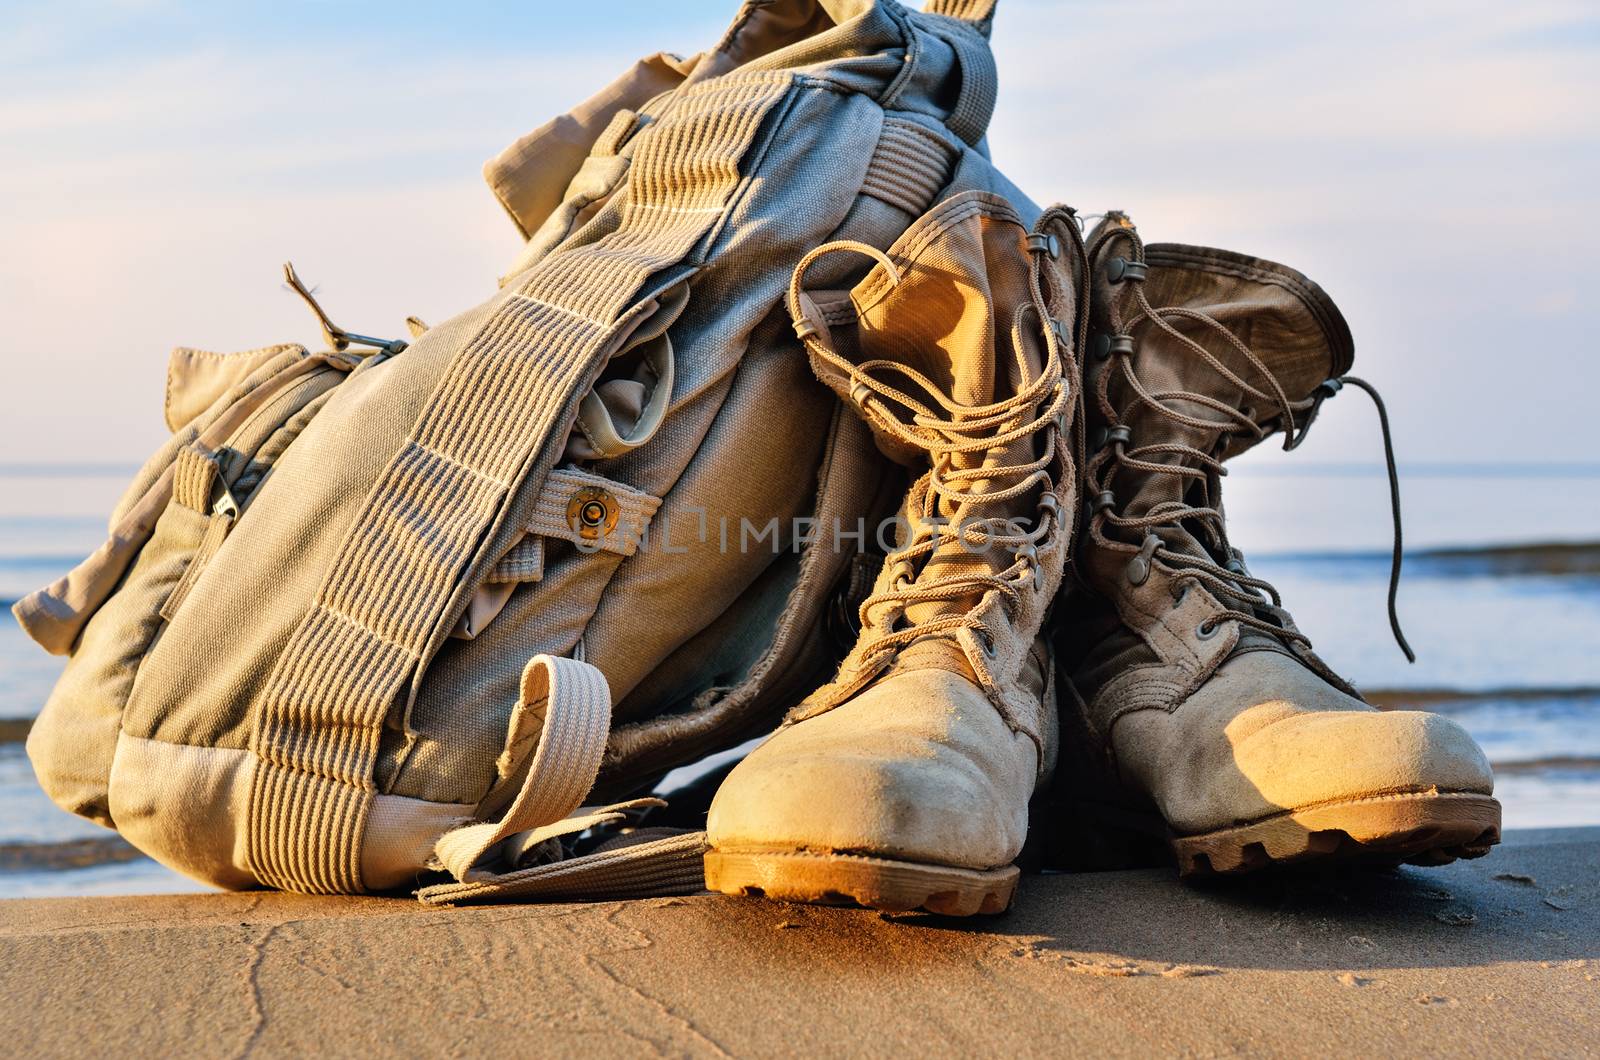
(918, 768)
(1265, 736)
(1308, 759)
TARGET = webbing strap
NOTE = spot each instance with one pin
(674, 864)
(565, 705)
(194, 477)
(485, 440)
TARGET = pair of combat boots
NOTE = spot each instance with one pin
(1063, 620)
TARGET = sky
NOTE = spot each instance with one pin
(1434, 164)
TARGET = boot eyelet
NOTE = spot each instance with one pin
(859, 394)
(1207, 629)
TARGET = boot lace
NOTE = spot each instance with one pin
(1232, 584)
(948, 431)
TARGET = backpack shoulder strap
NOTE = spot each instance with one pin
(469, 474)
(964, 25)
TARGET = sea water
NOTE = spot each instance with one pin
(1507, 634)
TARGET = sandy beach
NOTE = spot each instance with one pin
(1490, 958)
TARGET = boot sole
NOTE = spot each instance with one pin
(1419, 828)
(849, 879)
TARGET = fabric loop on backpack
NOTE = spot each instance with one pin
(628, 512)
(980, 83)
(194, 476)
(524, 563)
(566, 706)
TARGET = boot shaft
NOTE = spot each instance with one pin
(1195, 356)
(957, 351)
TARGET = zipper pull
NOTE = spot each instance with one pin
(337, 337)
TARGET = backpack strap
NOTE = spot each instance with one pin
(565, 710)
(565, 707)
(455, 494)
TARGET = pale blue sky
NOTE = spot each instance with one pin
(1435, 165)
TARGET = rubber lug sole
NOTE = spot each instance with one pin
(849, 879)
(1423, 828)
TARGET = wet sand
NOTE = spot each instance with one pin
(1495, 957)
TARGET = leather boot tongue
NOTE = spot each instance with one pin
(949, 318)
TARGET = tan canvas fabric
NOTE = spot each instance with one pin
(636, 356)
(905, 782)
(1189, 691)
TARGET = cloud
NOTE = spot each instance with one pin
(1435, 165)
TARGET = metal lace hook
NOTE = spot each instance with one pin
(337, 337)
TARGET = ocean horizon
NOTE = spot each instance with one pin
(1503, 610)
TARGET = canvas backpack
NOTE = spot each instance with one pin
(388, 615)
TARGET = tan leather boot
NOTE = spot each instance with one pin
(905, 782)
(1189, 691)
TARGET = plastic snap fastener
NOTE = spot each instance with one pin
(1100, 346)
